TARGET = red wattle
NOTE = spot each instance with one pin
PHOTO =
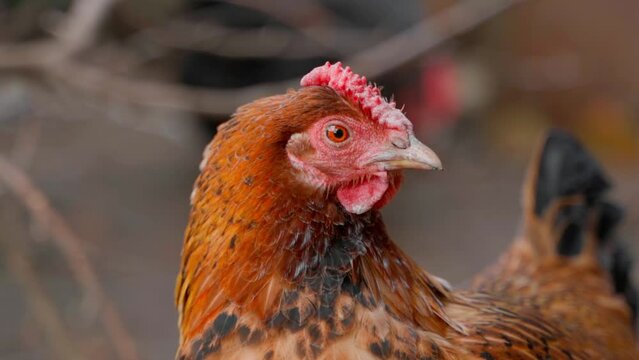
(360, 198)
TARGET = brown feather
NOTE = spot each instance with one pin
(274, 269)
(257, 236)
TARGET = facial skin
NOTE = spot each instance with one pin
(358, 159)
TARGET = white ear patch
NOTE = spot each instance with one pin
(298, 144)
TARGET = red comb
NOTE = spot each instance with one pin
(357, 89)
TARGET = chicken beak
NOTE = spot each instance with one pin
(414, 156)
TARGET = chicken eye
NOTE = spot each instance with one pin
(337, 133)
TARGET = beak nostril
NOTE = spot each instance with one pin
(405, 153)
(400, 143)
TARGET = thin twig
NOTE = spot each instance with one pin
(265, 42)
(69, 243)
(374, 62)
(39, 302)
(94, 80)
(426, 35)
(392, 53)
(76, 32)
(18, 262)
(81, 25)
(303, 15)
(25, 146)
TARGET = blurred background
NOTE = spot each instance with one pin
(106, 105)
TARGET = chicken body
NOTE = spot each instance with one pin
(278, 265)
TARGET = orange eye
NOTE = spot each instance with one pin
(337, 133)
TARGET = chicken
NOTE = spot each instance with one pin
(286, 255)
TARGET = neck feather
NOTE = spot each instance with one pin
(256, 233)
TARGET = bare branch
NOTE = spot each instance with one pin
(426, 35)
(39, 302)
(376, 61)
(300, 14)
(95, 80)
(25, 146)
(69, 243)
(18, 263)
(266, 42)
(79, 29)
(73, 34)
(311, 19)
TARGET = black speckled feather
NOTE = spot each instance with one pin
(274, 270)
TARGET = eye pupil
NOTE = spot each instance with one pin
(336, 133)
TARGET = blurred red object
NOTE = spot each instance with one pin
(447, 87)
(441, 91)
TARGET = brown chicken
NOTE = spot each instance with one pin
(286, 255)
